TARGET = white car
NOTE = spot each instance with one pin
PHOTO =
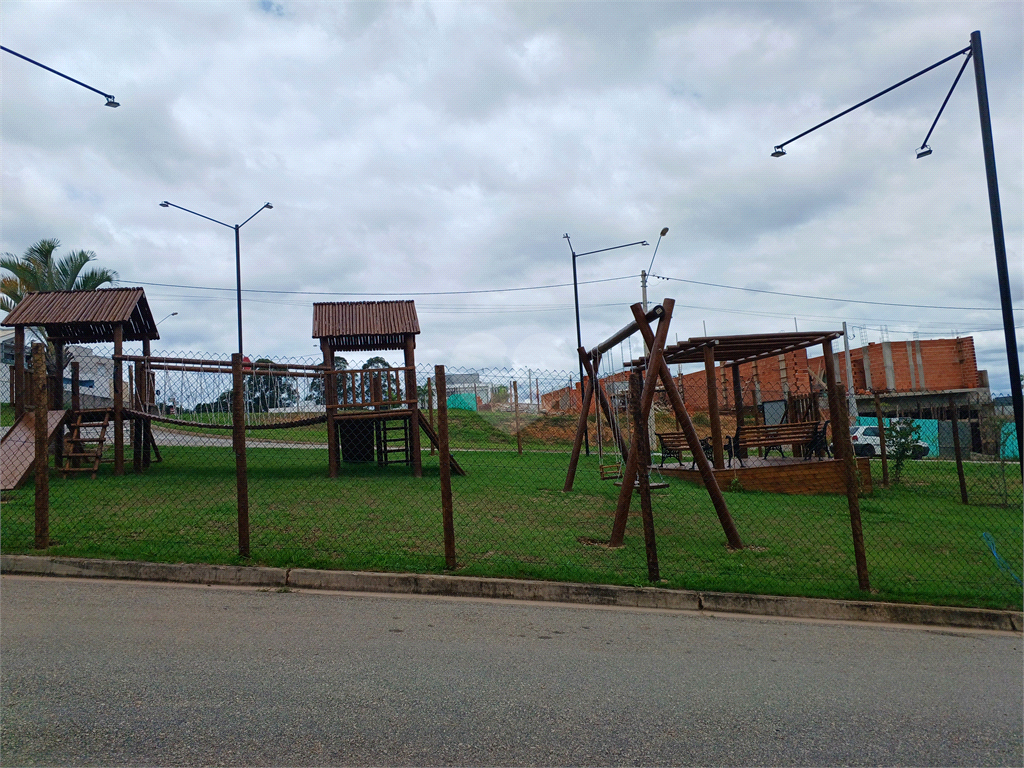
(866, 443)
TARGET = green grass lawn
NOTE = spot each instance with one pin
(512, 520)
(6, 414)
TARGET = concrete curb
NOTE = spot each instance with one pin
(514, 589)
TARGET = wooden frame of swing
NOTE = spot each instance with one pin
(656, 366)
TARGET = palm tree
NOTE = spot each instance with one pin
(38, 270)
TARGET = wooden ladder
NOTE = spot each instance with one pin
(394, 441)
(76, 452)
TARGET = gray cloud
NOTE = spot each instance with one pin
(432, 147)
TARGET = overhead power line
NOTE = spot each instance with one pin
(385, 293)
(827, 298)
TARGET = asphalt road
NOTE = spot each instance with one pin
(117, 673)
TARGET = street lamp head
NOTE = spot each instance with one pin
(664, 232)
(779, 152)
(268, 205)
(165, 204)
(111, 102)
(644, 242)
(923, 151)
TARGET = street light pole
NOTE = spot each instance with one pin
(111, 101)
(238, 255)
(999, 243)
(647, 274)
(576, 298)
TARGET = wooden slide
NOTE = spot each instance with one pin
(431, 434)
(18, 447)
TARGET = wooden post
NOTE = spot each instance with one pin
(147, 397)
(713, 415)
(76, 406)
(19, 371)
(76, 386)
(447, 515)
(58, 400)
(633, 466)
(839, 440)
(737, 395)
(515, 397)
(42, 462)
(118, 387)
(881, 441)
(330, 398)
(707, 474)
(238, 443)
(137, 430)
(841, 422)
(581, 427)
(643, 450)
(430, 409)
(412, 394)
(956, 451)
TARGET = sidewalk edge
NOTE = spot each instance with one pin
(516, 589)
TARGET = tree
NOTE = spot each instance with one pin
(39, 270)
(387, 392)
(316, 386)
(264, 391)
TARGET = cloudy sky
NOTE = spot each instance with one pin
(440, 151)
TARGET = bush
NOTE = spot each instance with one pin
(901, 438)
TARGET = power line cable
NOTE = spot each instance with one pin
(827, 298)
(384, 293)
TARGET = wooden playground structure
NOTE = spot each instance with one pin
(708, 456)
(636, 459)
(371, 413)
(107, 315)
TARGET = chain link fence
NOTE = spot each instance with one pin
(936, 528)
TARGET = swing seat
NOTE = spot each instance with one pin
(611, 471)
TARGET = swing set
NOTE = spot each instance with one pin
(643, 384)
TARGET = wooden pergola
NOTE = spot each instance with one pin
(734, 351)
(369, 326)
(105, 315)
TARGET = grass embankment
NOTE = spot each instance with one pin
(512, 520)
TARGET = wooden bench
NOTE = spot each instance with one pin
(674, 443)
(773, 437)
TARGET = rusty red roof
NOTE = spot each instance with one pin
(87, 317)
(365, 325)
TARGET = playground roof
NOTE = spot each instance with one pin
(87, 317)
(363, 326)
(741, 349)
